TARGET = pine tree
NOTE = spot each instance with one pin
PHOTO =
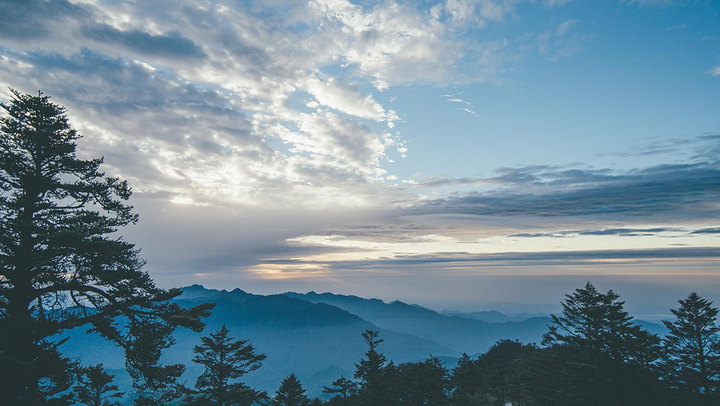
(343, 389)
(612, 359)
(465, 379)
(154, 383)
(290, 393)
(225, 360)
(95, 388)
(692, 346)
(371, 373)
(423, 383)
(61, 266)
(596, 322)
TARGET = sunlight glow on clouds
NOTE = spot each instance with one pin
(197, 90)
(282, 140)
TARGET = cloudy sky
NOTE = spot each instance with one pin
(467, 154)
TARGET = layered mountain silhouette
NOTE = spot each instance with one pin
(317, 336)
(459, 334)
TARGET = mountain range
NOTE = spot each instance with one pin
(318, 336)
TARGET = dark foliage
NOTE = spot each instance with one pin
(422, 383)
(595, 356)
(375, 384)
(225, 360)
(344, 391)
(60, 267)
(95, 388)
(599, 355)
(290, 393)
(691, 359)
(596, 322)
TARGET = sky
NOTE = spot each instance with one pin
(458, 154)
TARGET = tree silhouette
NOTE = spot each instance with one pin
(611, 359)
(371, 373)
(95, 388)
(225, 361)
(290, 393)
(60, 265)
(343, 389)
(596, 322)
(692, 346)
(465, 378)
(423, 383)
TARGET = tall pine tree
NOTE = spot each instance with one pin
(225, 360)
(596, 322)
(61, 263)
(290, 393)
(692, 347)
(371, 373)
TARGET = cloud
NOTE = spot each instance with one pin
(687, 190)
(621, 232)
(680, 27)
(469, 109)
(393, 45)
(655, 3)
(171, 44)
(715, 71)
(32, 20)
(336, 94)
(553, 3)
(404, 263)
(476, 13)
(563, 41)
(208, 103)
(207, 120)
(714, 230)
(565, 27)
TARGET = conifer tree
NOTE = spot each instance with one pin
(596, 322)
(290, 393)
(465, 380)
(423, 383)
(154, 383)
(612, 359)
(692, 347)
(95, 388)
(61, 266)
(371, 373)
(225, 361)
(343, 390)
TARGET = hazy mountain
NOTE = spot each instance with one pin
(316, 341)
(493, 316)
(318, 336)
(460, 334)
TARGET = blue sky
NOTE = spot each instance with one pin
(467, 154)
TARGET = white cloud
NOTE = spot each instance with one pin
(469, 109)
(471, 112)
(208, 102)
(565, 40)
(340, 96)
(715, 71)
(655, 3)
(563, 28)
(553, 3)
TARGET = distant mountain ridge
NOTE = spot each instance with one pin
(460, 334)
(316, 341)
(492, 316)
(317, 336)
